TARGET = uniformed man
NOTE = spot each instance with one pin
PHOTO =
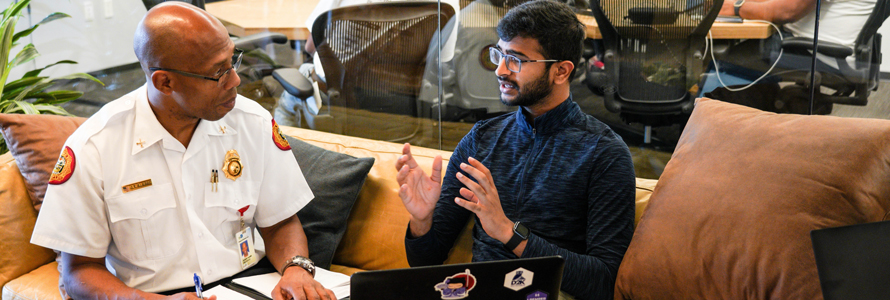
(167, 181)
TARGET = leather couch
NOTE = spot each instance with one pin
(373, 239)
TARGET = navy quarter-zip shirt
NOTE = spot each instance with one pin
(567, 177)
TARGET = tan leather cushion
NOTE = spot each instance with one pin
(644, 192)
(38, 284)
(730, 217)
(36, 141)
(375, 232)
(17, 216)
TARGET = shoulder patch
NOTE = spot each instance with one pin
(278, 137)
(64, 167)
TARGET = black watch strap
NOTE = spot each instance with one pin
(520, 233)
(737, 6)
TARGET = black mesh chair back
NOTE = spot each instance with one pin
(650, 55)
(373, 55)
(151, 3)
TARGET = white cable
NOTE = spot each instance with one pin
(710, 38)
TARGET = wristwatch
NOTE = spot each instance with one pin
(302, 262)
(520, 233)
(737, 6)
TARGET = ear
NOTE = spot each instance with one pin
(162, 82)
(561, 71)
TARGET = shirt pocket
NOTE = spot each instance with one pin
(221, 205)
(145, 223)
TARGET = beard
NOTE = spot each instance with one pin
(531, 94)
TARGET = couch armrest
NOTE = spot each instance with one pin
(17, 217)
(645, 187)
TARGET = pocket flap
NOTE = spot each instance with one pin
(141, 204)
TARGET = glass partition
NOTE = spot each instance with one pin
(420, 72)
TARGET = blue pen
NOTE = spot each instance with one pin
(198, 286)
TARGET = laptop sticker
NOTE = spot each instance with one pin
(518, 279)
(457, 286)
(537, 295)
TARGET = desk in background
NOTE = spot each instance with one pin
(246, 17)
(288, 17)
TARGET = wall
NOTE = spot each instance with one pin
(103, 42)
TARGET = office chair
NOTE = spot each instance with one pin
(651, 49)
(469, 86)
(851, 74)
(373, 57)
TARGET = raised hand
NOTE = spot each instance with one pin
(419, 192)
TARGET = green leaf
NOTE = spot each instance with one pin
(80, 76)
(25, 81)
(56, 97)
(28, 108)
(20, 92)
(23, 33)
(36, 72)
(52, 17)
(27, 54)
(15, 10)
(6, 30)
(53, 109)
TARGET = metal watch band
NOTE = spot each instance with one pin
(302, 262)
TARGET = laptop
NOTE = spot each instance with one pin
(854, 261)
(525, 279)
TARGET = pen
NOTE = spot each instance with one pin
(198, 287)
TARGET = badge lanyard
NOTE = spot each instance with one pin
(246, 253)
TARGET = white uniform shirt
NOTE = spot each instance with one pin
(154, 238)
(840, 21)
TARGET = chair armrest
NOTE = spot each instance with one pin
(294, 82)
(825, 48)
(259, 40)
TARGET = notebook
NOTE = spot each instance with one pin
(854, 261)
(525, 279)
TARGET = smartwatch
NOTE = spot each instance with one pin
(737, 6)
(520, 233)
(302, 262)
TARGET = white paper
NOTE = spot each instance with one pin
(265, 283)
(222, 292)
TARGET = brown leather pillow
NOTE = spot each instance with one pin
(36, 141)
(730, 217)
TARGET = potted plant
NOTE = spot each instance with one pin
(28, 94)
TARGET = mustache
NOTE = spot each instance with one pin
(511, 82)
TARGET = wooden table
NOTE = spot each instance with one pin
(245, 17)
(720, 30)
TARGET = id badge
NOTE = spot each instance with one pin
(247, 255)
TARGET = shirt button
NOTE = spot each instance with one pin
(144, 211)
(200, 234)
(209, 272)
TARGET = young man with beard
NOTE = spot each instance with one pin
(545, 180)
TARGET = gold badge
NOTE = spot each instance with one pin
(232, 165)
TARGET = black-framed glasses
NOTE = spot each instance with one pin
(220, 76)
(514, 64)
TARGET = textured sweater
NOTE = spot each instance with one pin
(567, 177)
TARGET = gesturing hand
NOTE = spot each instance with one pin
(481, 198)
(419, 193)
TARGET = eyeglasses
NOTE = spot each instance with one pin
(220, 76)
(514, 64)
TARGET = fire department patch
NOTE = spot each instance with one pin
(64, 167)
(278, 137)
